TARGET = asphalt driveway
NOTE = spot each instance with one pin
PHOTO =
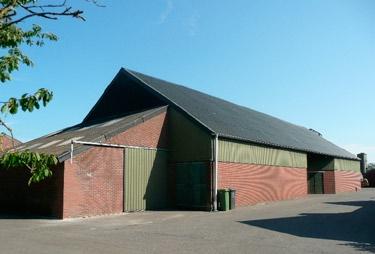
(343, 223)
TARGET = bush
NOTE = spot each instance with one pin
(370, 176)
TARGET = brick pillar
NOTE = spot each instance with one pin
(329, 182)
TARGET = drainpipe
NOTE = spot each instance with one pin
(216, 152)
(71, 151)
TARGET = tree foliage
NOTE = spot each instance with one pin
(16, 33)
(38, 164)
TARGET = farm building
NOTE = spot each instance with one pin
(151, 144)
(6, 142)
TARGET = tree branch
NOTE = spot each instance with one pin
(48, 11)
(7, 8)
(2, 123)
(47, 15)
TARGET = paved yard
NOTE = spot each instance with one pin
(343, 223)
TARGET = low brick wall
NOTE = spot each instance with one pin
(260, 183)
(341, 181)
(346, 181)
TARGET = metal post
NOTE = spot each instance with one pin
(216, 169)
(71, 151)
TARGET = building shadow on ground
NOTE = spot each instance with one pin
(18, 215)
(24, 217)
(357, 228)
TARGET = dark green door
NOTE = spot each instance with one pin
(315, 182)
(192, 187)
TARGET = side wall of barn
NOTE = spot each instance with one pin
(261, 174)
(94, 180)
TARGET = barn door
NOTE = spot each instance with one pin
(315, 182)
(145, 179)
(192, 189)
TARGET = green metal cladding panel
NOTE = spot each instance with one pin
(230, 151)
(145, 179)
(349, 165)
(188, 141)
(192, 188)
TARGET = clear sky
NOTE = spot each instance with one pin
(308, 62)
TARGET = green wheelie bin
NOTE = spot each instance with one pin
(223, 199)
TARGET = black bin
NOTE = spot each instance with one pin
(232, 199)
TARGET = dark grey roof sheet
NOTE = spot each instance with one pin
(237, 122)
(58, 143)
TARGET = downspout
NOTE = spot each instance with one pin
(71, 151)
(216, 152)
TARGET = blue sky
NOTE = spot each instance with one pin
(308, 62)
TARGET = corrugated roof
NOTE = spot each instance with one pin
(58, 143)
(241, 123)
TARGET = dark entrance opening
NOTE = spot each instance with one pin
(317, 165)
(192, 188)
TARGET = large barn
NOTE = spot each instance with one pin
(150, 144)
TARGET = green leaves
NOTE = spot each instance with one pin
(12, 38)
(28, 102)
(39, 164)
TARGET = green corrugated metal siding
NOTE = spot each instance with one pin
(187, 140)
(230, 151)
(341, 164)
(145, 179)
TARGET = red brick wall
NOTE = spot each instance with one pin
(341, 181)
(94, 182)
(6, 142)
(261, 183)
(346, 181)
(329, 182)
(152, 133)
